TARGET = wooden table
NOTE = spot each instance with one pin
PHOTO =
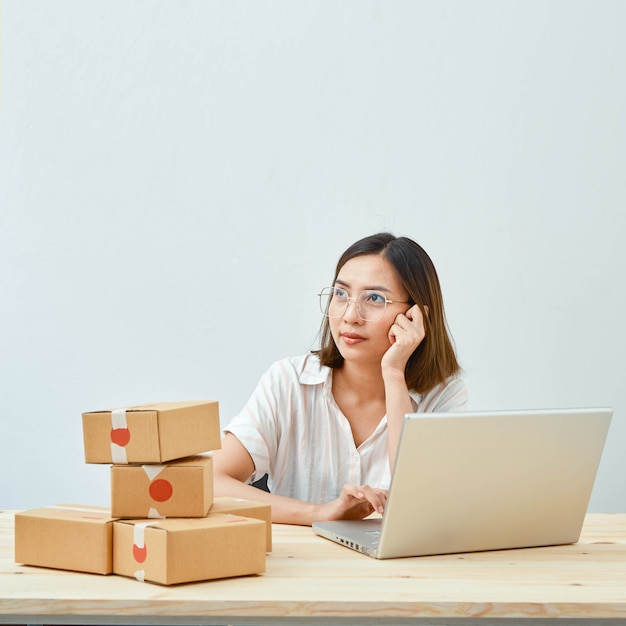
(311, 579)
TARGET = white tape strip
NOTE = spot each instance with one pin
(152, 471)
(76, 508)
(118, 455)
(153, 513)
(139, 532)
(118, 418)
(139, 540)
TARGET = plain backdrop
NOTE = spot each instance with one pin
(179, 178)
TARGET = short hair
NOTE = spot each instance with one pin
(434, 360)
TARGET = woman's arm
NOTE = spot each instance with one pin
(405, 335)
(233, 465)
(398, 403)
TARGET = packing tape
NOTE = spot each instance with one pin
(118, 418)
(154, 514)
(139, 533)
(139, 540)
(152, 471)
(76, 508)
(118, 453)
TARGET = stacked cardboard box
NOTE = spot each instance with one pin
(164, 524)
(150, 448)
(67, 536)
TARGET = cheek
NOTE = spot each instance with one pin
(386, 324)
(389, 338)
(380, 334)
(333, 324)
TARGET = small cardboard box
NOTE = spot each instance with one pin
(66, 536)
(182, 488)
(246, 508)
(151, 433)
(172, 551)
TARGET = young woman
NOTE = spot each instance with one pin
(325, 426)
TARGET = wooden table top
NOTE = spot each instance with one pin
(309, 577)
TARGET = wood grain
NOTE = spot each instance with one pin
(310, 577)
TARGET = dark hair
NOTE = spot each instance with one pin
(434, 360)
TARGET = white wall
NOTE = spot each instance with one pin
(177, 180)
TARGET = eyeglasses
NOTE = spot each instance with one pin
(370, 305)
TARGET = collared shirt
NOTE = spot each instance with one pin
(295, 432)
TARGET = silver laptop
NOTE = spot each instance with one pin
(466, 482)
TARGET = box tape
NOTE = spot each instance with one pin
(76, 508)
(139, 531)
(152, 471)
(118, 420)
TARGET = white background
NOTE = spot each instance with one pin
(178, 179)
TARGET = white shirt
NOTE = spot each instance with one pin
(295, 432)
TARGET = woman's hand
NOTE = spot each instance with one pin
(353, 503)
(405, 335)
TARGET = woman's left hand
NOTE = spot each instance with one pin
(353, 503)
(405, 335)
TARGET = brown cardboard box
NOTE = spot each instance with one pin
(66, 536)
(246, 508)
(182, 488)
(151, 433)
(172, 551)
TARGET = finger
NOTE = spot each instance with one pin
(391, 336)
(402, 329)
(413, 318)
(416, 323)
(414, 314)
(383, 493)
(378, 505)
(402, 319)
(352, 491)
(375, 498)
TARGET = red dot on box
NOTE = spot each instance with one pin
(139, 553)
(120, 436)
(161, 490)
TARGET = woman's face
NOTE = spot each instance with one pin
(356, 339)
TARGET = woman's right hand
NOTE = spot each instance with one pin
(353, 503)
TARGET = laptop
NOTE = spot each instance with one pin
(467, 482)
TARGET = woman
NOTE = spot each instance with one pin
(325, 426)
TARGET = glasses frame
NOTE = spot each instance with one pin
(329, 297)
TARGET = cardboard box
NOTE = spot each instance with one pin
(151, 433)
(246, 508)
(66, 536)
(182, 488)
(172, 551)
